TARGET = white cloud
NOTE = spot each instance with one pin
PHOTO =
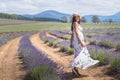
(84, 7)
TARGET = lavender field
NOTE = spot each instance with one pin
(104, 44)
(35, 40)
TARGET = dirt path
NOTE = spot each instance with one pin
(50, 35)
(94, 73)
(10, 64)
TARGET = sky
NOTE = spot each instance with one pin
(83, 7)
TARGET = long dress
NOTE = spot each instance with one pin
(82, 57)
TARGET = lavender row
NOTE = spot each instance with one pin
(103, 31)
(63, 45)
(39, 65)
(61, 34)
(8, 36)
(31, 56)
(44, 37)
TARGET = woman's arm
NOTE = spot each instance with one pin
(71, 39)
(77, 35)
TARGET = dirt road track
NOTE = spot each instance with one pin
(10, 64)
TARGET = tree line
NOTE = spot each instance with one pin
(95, 19)
(13, 16)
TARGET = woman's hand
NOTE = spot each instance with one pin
(71, 46)
(84, 44)
(87, 42)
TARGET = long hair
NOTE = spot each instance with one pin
(74, 19)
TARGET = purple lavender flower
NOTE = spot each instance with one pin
(31, 56)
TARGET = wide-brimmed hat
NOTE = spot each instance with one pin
(76, 14)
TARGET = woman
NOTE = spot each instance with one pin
(82, 57)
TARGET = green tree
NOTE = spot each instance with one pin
(110, 21)
(83, 20)
(64, 19)
(95, 19)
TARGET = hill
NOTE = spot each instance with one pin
(115, 18)
(50, 14)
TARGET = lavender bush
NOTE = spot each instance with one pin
(115, 64)
(28, 52)
(39, 66)
(100, 55)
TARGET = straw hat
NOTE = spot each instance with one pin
(76, 14)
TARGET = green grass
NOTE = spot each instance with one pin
(90, 34)
(63, 49)
(46, 41)
(110, 33)
(42, 73)
(118, 37)
(50, 44)
(55, 43)
(19, 25)
(117, 46)
(115, 64)
(92, 42)
(66, 37)
(70, 51)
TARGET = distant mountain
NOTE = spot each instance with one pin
(115, 18)
(50, 14)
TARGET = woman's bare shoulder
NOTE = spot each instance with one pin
(75, 24)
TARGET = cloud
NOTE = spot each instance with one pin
(84, 7)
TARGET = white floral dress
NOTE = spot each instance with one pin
(82, 57)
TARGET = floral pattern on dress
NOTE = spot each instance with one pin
(82, 57)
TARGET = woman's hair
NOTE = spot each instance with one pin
(74, 19)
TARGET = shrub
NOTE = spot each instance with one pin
(109, 33)
(63, 49)
(42, 73)
(117, 46)
(115, 64)
(50, 44)
(106, 43)
(118, 37)
(100, 55)
(90, 35)
(46, 41)
(92, 42)
(55, 43)
(70, 51)
(66, 37)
